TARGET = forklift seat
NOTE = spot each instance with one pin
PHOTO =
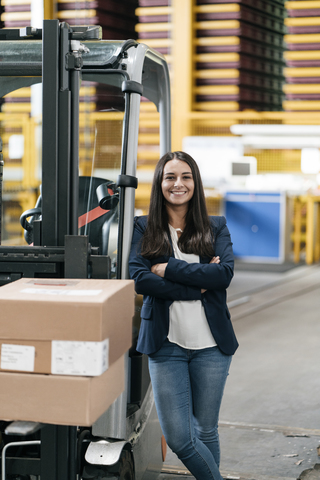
(96, 226)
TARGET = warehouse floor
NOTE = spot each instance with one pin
(270, 416)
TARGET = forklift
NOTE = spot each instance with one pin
(81, 227)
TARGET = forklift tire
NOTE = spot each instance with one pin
(122, 470)
(126, 468)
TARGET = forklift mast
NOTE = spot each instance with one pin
(60, 229)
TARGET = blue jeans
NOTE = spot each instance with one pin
(188, 387)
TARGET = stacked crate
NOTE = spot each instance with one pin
(239, 55)
(15, 13)
(302, 88)
(154, 28)
(154, 24)
(117, 19)
(1, 12)
(17, 107)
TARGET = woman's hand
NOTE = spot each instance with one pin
(213, 260)
(159, 269)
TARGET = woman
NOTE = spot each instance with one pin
(182, 262)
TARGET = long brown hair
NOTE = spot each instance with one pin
(197, 237)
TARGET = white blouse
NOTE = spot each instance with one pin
(188, 325)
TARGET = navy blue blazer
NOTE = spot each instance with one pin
(183, 281)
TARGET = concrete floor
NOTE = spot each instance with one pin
(270, 416)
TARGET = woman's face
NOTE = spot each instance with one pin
(177, 183)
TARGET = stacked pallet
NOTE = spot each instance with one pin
(154, 28)
(239, 55)
(15, 13)
(154, 24)
(117, 19)
(302, 88)
(1, 12)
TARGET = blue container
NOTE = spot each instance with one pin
(256, 221)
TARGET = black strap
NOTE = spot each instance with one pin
(130, 86)
(127, 181)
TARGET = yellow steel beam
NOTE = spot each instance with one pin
(302, 4)
(216, 106)
(229, 7)
(15, 16)
(302, 55)
(209, 41)
(217, 24)
(301, 88)
(5, 3)
(301, 21)
(217, 73)
(217, 90)
(217, 57)
(147, 11)
(153, 27)
(157, 42)
(49, 9)
(302, 38)
(301, 105)
(149, 138)
(314, 117)
(182, 66)
(302, 72)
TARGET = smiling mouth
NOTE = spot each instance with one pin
(178, 193)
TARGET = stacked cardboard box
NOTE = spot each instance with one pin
(62, 348)
(302, 74)
(239, 54)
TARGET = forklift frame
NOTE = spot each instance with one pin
(60, 57)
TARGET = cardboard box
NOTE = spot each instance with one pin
(60, 400)
(65, 326)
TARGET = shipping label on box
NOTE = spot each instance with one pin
(79, 358)
(17, 357)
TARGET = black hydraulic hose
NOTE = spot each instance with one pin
(128, 44)
(124, 151)
(1, 180)
(74, 163)
(72, 453)
(85, 434)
